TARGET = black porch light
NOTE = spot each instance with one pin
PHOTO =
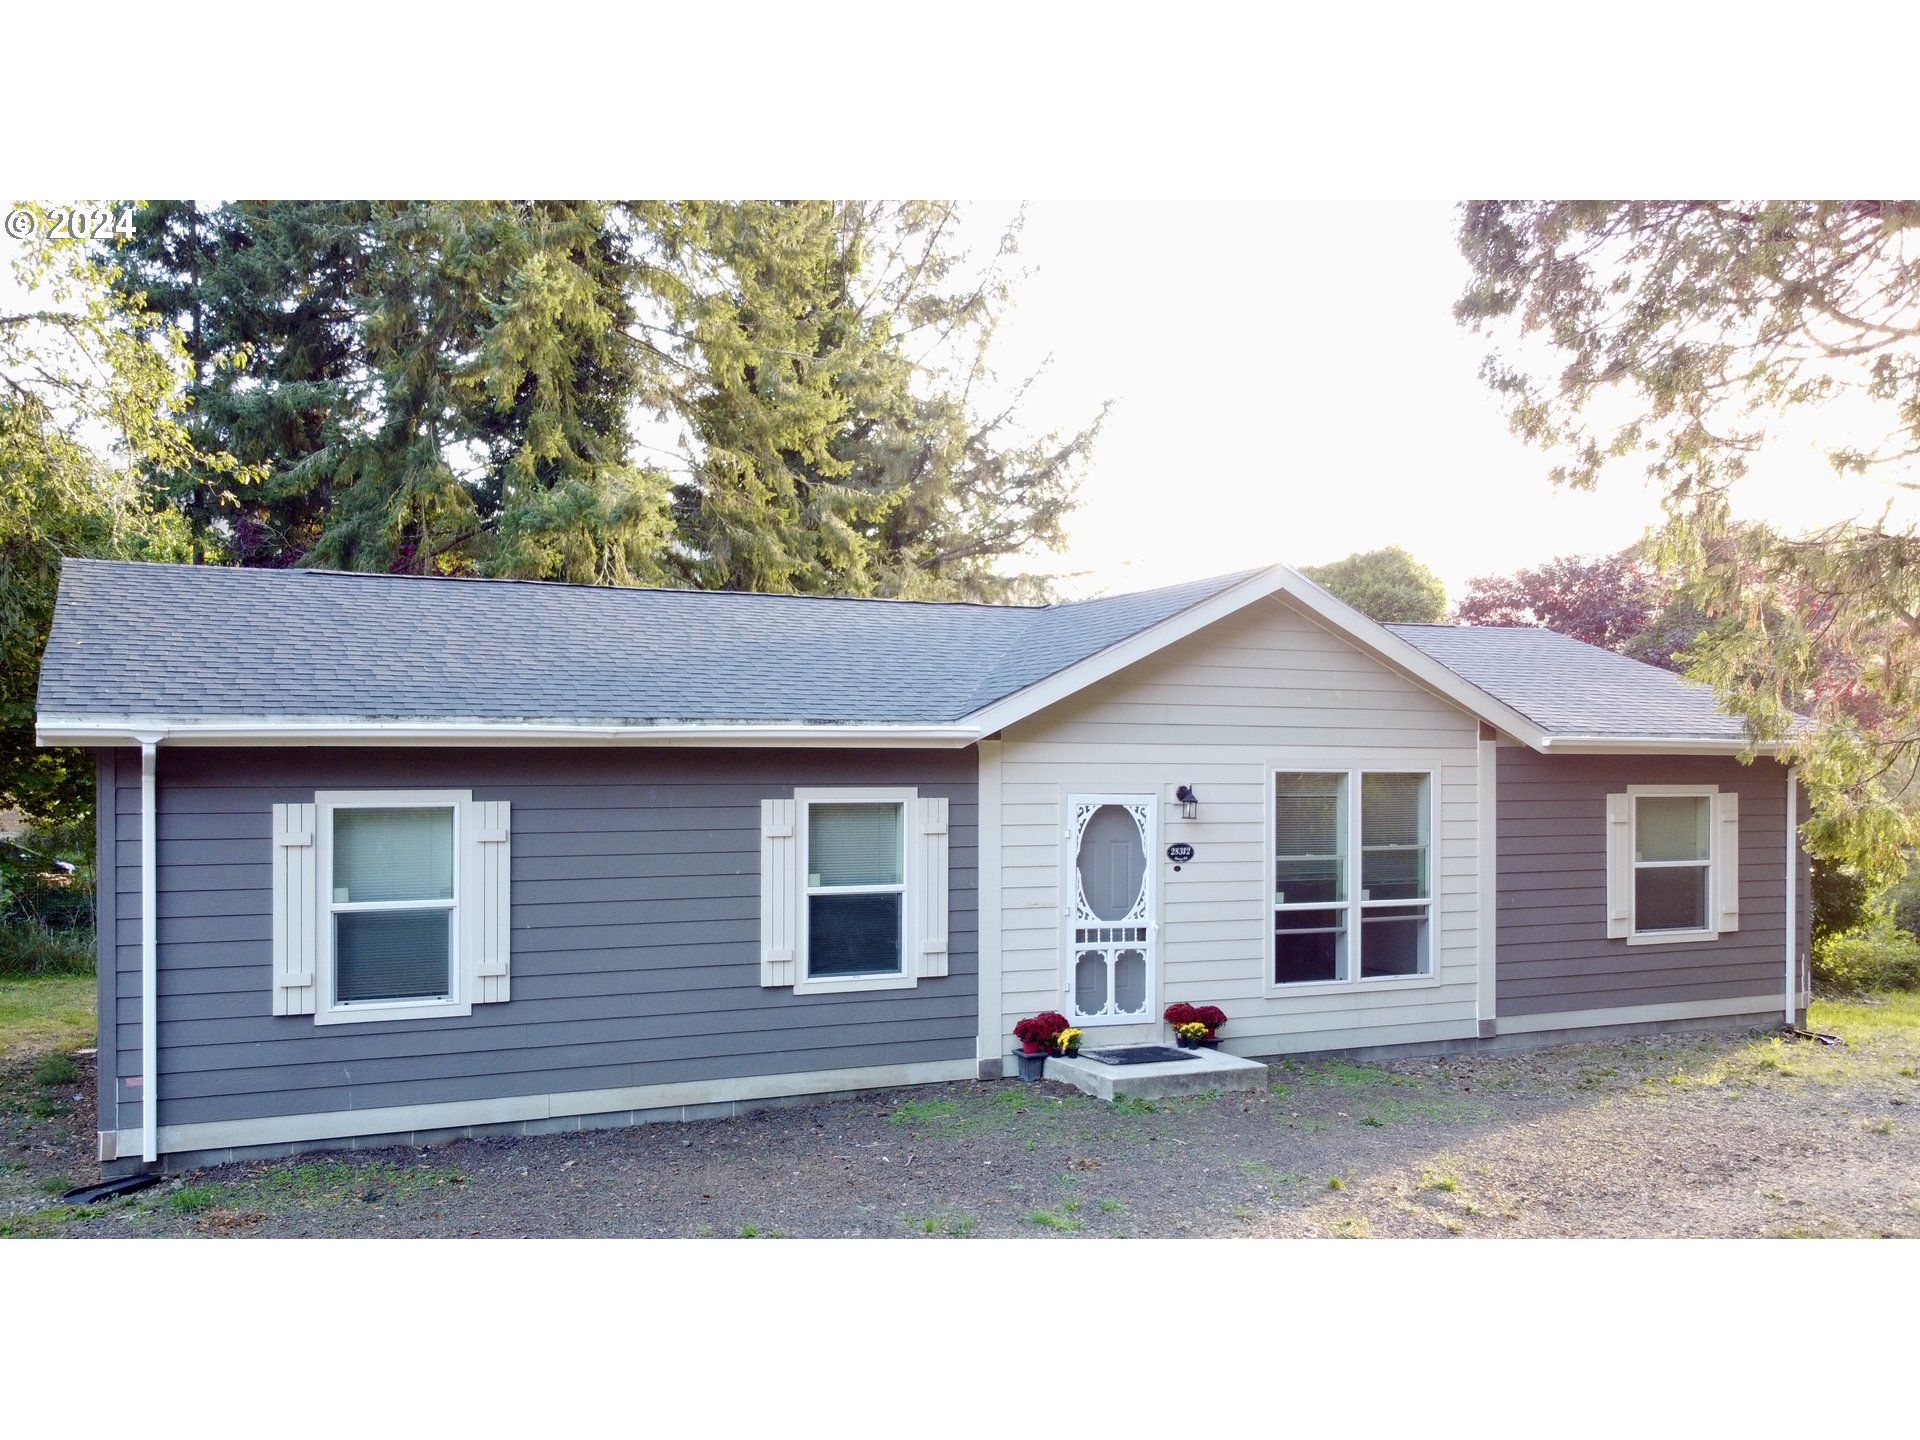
(1189, 802)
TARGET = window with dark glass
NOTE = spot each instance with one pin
(1343, 911)
(1309, 877)
(393, 903)
(1672, 858)
(855, 888)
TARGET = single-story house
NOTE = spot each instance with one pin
(387, 858)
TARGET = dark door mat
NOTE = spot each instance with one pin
(1140, 1055)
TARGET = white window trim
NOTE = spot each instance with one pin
(1636, 936)
(325, 1010)
(1354, 767)
(909, 977)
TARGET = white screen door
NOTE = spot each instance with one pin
(1110, 923)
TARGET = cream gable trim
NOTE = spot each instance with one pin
(1277, 581)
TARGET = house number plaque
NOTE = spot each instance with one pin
(1180, 853)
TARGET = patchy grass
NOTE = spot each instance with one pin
(956, 1225)
(315, 1185)
(1351, 1227)
(190, 1199)
(1436, 1179)
(41, 1013)
(1880, 1050)
(1049, 1220)
(46, 1221)
(754, 1232)
(1355, 1077)
(56, 1071)
(1007, 1106)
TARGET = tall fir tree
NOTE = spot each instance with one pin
(453, 387)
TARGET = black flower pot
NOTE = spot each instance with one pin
(1032, 1067)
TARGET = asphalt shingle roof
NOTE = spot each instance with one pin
(1568, 687)
(186, 642)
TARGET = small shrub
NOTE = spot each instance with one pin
(56, 1070)
(1871, 957)
(191, 1199)
(29, 946)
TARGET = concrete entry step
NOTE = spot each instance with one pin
(1209, 1070)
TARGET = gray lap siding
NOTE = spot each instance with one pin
(1553, 953)
(634, 921)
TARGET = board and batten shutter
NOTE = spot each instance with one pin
(779, 892)
(932, 830)
(488, 927)
(1619, 866)
(296, 907)
(1726, 862)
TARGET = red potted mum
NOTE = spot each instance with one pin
(1195, 1024)
(1037, 1034)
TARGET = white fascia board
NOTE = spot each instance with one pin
(256, 730)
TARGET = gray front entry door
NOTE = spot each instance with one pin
(1110, 925)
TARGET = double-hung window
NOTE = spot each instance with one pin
(1673, 863)
(390, 905)
(856, 859)
(853, 889)
(392, 915)
(1352, 868)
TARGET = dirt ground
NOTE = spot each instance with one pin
(1668, 1135)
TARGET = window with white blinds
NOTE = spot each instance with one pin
(390, 905)
(856, 889)
(1345, 911)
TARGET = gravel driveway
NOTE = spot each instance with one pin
(1724, 1135)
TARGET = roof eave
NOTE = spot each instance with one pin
(1656, 745)
(329, 730)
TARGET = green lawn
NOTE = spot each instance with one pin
(40, 1013)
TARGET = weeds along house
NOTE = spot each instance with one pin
(391, 858)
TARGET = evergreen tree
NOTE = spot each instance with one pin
(451, 387)
(1387, 585)
(75, 365)
(1677, 336)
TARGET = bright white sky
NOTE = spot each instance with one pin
(1309, 397)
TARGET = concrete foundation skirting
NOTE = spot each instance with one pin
(185, 1160)
(1208, 1070)
(1520, 1041)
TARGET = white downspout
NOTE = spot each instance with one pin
(1793, 893)
(149, 957)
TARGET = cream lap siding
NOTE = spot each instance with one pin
(1263, 685)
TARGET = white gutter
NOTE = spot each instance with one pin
(149, 952)
(1650, 745)
(334, 730)
(1793, 892)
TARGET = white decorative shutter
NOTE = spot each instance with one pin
(932, 830)
(1726, 861)
(1619, 866)
(296, 909)
(488, 921)
(779, 892)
